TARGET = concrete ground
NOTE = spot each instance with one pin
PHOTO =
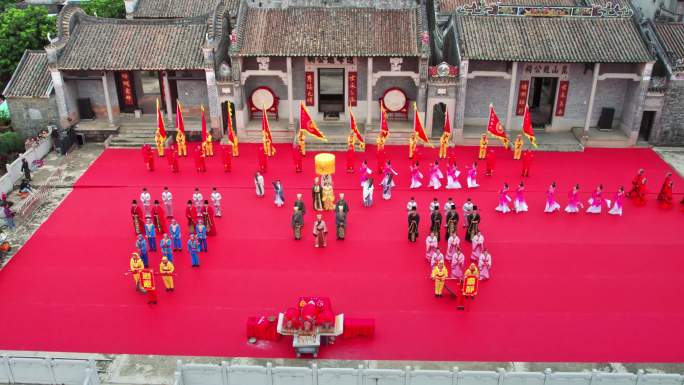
(124, 369)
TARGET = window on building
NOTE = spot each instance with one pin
(150, 83)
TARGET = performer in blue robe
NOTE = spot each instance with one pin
(201, 231)
(175, 233)
(150, 233)
(165, 246)
(193, 248)
(142, 249)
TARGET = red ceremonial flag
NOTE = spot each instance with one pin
(418, 125)
(231, 132)
(495, 128)
(265, 127)
(354, 128)
(160, 122)
(527, 127)
(447, 123)
(204, 126)
(180, 124)
(307, 124)
(384, 127)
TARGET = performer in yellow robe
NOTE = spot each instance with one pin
(413, 142)
(136, 265)
(236, 152)
(301, 141)
(268, 147)
(208, 145)
(439, 275)
(166, 269)
(444, 145)
(483, 146)
(159, 140)
(517, 147)
(182, 146)
(380, 142)
(328, 193)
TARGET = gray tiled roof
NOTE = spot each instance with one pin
(546, 39)
(113, 44)
(330, 32)
(448, 6)
(31, 78)
(174, 9)
(672, 37)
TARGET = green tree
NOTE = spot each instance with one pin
(21, 29)
(113, 9)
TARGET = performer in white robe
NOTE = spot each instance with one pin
(437, 257)
(457, 264)
(452, 177)
(435, 175)
(484, 264)
(574, 203)
(449, 205)
(519, 203)
(478, 244)
(472, 176)
(368, 193)
(412, 204)
(216, 201)
(146, 200)
(596, 201)
(504, 199)
(167, 199)
(431, 246)
(467, 209)
(434, 205)
(617, 202)
(197, 199)
(259, 185)
(416, 176)
(453, 244)
(279, 199)
(551, 204)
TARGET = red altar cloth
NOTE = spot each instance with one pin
(358, 327)
(262, 329)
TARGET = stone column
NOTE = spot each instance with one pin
(108, 101)
(642, 90)
(590, 107)
(167, 96)
(60, 97)
(369, 93)
(511, 96)
(458, 120)
(214, 104)
(290, 94)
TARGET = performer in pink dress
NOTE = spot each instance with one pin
(435, 176)
(364, 171)
(431, 245)
(519, 204)
(478, 245)
(416, 176)
(484, 264)
(551, 204)
(471, 174)
(504, 199)
(453, 243)
(596, 201)
(617, 202)
(574, 204)
(452, 177)
(437, 257)
(457, 264)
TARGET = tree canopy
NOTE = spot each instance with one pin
(113, 9)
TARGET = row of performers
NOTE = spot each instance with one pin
(198, 202)
(155, 221)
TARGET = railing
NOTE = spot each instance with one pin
(24, 370)
(14, 173)
(226, 374)
(657, 85)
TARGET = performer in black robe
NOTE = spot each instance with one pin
(297, 223)
(413, 221)
(317, 195)
(341, 222)
(473, 223)
(451, 223)
(436, 223)
(342, 203)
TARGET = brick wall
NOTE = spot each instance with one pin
(671, 128)
(31, 115)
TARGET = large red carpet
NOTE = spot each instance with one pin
(563, 288)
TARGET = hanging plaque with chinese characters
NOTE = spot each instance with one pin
(561, 70)
(309, 88)
(562, 100)
(523, 91)
(126, 85)
(351, 85)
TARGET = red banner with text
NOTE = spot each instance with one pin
(523, 91)
(561, 103)
(351, 84)
(309, 89)
(126, 84)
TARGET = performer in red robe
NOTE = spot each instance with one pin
(636, 183)
(491, 162)
(263, 160)
(451, 156)
(351, 159)
(191, 216)
(209, 218)
(381, 157)
(641, 194)
(665, 194)
(526, 162)
(137, 216)
(174, 149)
(200, 164)
(148, 158)
(227, 158)
(297, 158)
(173, 159)
(159, 219)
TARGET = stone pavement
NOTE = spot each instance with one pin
(73, 165)
(674, 156)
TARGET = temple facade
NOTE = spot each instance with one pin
(592, 69)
